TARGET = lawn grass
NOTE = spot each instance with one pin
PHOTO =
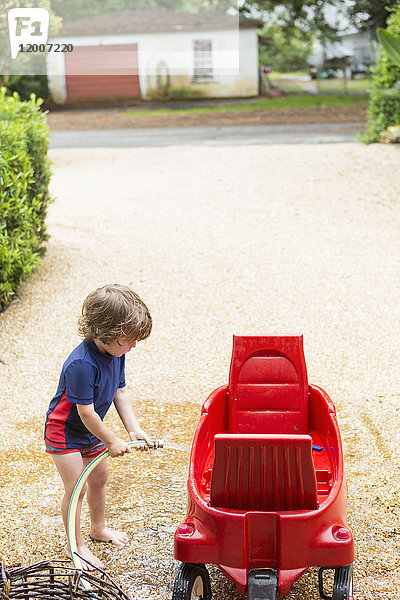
(354, 86)
(284, 102)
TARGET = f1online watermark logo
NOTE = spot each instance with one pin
(27, 26)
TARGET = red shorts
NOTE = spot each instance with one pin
(90, 452)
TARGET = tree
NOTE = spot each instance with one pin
(75, 9)
(368, 15)
(307, 16)
(282, 51)
(312, 15)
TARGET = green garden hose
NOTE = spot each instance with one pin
(73, 548)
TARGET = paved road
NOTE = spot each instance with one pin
(318, 133)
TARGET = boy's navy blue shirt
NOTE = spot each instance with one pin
(88, 377)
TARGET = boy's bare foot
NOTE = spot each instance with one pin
(85, 553)
(111, 536)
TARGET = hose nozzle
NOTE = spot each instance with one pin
(158, 444)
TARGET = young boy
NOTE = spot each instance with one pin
(113, 319)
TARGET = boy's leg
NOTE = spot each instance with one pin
(70, 467)
(96, 498)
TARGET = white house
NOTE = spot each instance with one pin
(356, 47)
(154, 54)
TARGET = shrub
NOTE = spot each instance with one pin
(24, 193)
(384, 110)
(25, 85)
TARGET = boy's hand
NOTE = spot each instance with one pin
(139, 434)
(118, 447)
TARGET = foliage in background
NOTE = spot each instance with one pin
(284, 49)
(24, 190)
(316, 16)
(26, 85)
(308, 16)
(70, 10)
(391, 45)
(368, 15)
(384, 109)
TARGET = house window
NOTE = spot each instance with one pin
(202, 57)
(362, 54)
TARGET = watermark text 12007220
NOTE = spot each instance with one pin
(46, 48)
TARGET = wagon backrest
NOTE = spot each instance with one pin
(268, 387)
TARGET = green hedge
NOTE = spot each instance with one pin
(24, 190)
(384, 111)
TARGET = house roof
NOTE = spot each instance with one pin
(132, 21)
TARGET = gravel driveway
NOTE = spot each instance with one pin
(243, 239)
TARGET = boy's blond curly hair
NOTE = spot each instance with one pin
(113, 311)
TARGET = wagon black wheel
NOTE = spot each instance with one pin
(342, 583)
(192, 582)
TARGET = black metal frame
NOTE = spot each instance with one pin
(56, 580)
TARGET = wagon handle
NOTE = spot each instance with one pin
(289, 347)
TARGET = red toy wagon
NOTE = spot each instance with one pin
(266, 491)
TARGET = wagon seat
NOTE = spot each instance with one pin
(264, 462)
